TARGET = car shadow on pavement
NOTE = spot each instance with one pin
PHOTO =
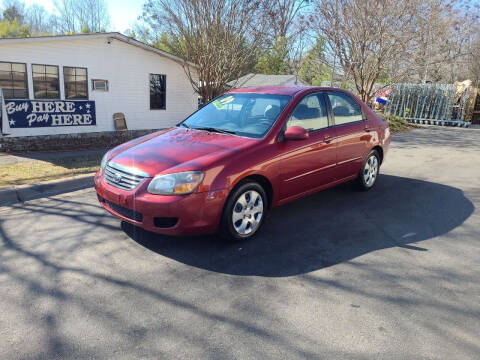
(325, 229)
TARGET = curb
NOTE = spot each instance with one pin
(22, 193)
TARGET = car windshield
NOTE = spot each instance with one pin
(244, 114)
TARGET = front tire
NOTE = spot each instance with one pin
(369, 173)
(244, 212)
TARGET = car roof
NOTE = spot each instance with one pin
(280, 90)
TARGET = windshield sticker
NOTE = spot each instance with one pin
(227, 100)
(218, 104)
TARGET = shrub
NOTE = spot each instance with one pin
(398, 123)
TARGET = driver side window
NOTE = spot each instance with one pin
(310, 113)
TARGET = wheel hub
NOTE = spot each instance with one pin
(247, 212)
(370, 170)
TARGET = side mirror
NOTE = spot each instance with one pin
(295, 133)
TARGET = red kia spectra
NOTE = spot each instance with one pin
(246, 151)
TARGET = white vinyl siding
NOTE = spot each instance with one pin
(127, 69)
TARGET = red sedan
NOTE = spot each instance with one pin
(243, 153)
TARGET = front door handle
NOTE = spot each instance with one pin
(327, 139)
(368, 128)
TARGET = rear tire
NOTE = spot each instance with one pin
(244, 212)
(368, 175)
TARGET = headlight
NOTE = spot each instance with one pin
(104, 161)
(175, 184)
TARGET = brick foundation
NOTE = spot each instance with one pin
(79, 141)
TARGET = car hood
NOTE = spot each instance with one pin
(178, 149)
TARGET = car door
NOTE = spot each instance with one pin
(308, 164)
(352, 135)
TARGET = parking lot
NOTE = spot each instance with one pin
(391, 273)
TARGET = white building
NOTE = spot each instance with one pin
(73, 84)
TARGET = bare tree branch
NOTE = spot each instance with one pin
(219, 36)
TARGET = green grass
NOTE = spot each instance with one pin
(37, 170)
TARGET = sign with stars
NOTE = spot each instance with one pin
(44, 113)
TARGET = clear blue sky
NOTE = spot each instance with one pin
(123, 13)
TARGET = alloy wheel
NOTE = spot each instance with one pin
(370, 171)
(247, 212)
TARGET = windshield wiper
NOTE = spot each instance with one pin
(185, 125)
(212, 129)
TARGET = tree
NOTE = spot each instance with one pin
(273, 60)
(13, 29)
(39, 20)
(85, 29)
(313, 68)
(34, 17)
(172, 45)
(78, 15)
(473, 59)
(366, 36)
(13, 10)
(287, 25)
(285, 18)
(442, 29)
(219, 36)
(464, 42)
(434, 24)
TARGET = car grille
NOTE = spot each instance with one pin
(128, 213)
(123, 177)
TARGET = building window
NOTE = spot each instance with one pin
(158, 91)
(45, 82)
(13, 80)
(75, 79)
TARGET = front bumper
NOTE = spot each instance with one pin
(193, 214)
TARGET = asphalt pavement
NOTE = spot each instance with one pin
(393, 273)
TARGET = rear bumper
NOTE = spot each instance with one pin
(193, 214)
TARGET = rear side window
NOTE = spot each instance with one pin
(310, 113)
(345, 109)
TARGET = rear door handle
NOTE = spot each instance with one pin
(368, 129)
(327, 139)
